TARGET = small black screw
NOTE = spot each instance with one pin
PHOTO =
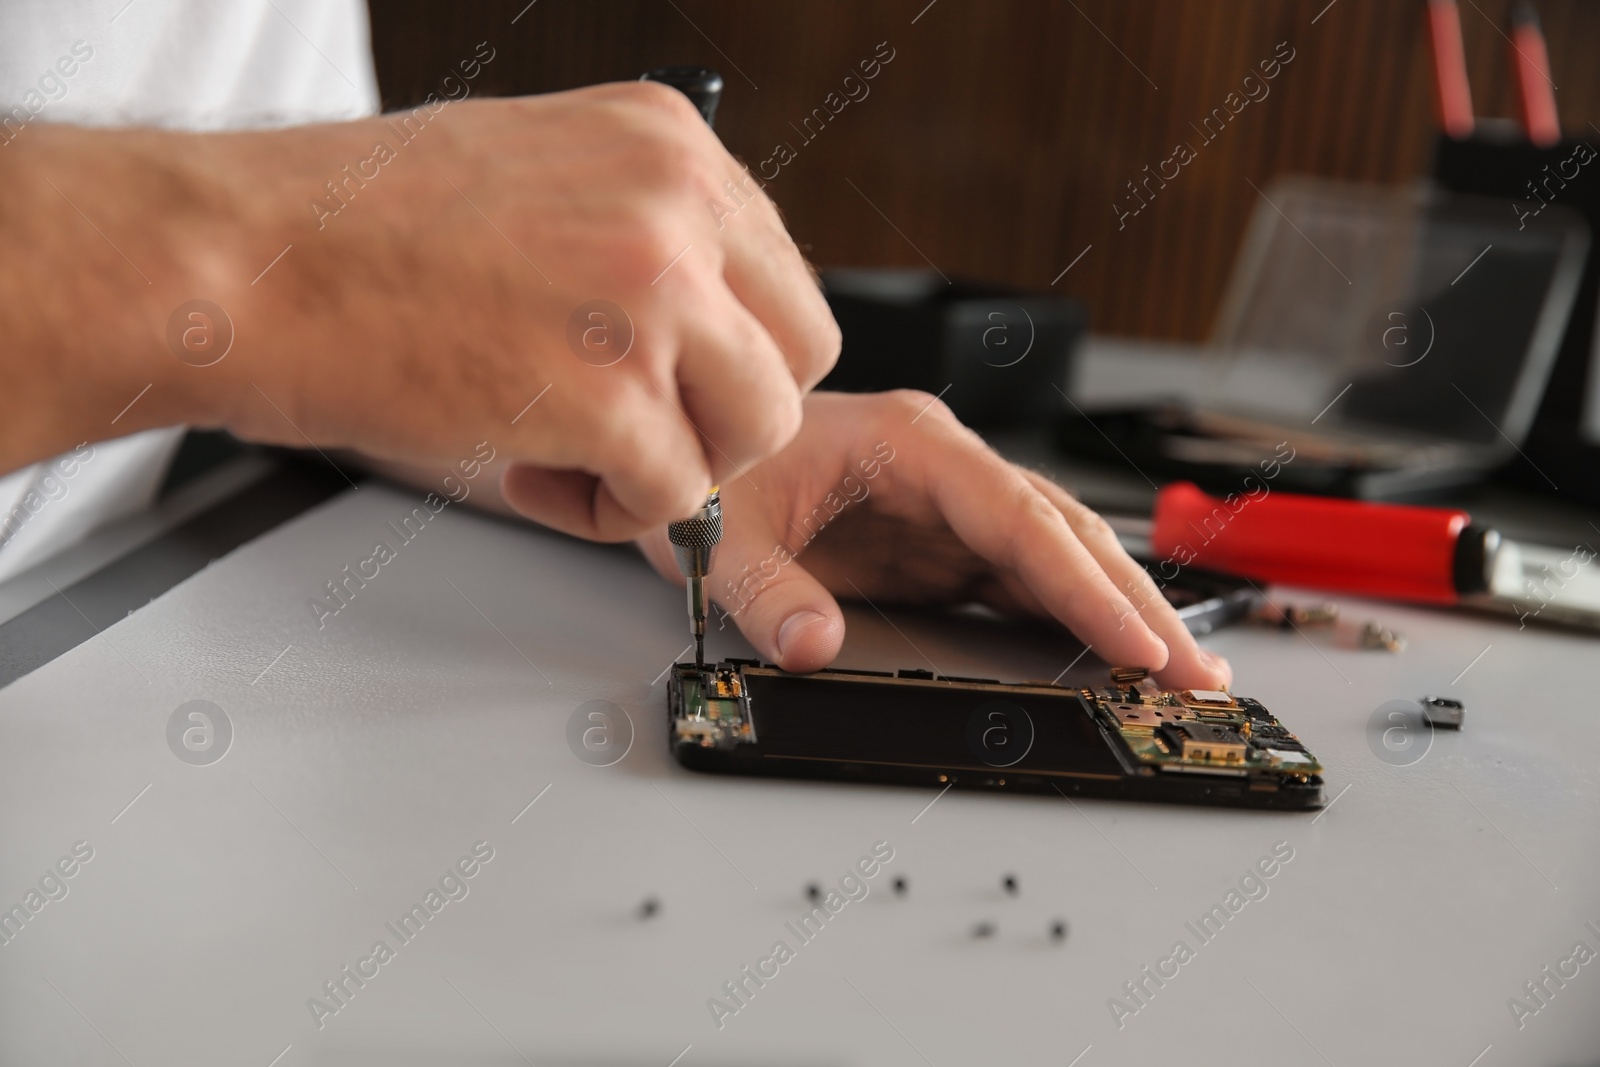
(649, 907)
(813, 892)
(983, 930)
(900, 886)
(1009, 882)
(1058, 930)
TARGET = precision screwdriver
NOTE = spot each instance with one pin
(694, 542)
(695, 539)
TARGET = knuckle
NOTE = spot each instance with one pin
(654, 358)
(1028, 514)
(917, 404)
(675, 489)
(779, 423)
(1086, 522)
(669, 160)
(1032, 509)
(674, 163)
(1152, 604)
(692, 494)
(652, 244)
(681, 494)
(612, 433)
(1092, 526)
(824, 350)
(661, 99)
(756, 429)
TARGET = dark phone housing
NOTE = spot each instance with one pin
(1129, 741)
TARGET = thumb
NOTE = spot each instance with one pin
(778, 605)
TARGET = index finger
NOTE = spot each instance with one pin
(1188, 665)
(768, 275)
(1003, 517)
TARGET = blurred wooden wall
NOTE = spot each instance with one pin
(1002, 132)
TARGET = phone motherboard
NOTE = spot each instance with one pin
(1127, 738)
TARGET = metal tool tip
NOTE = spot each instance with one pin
(700, 650)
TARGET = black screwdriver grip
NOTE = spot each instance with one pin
(702, 85)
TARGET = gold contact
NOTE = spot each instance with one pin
(1213, 751)
(1207, 698)
(1142, 716)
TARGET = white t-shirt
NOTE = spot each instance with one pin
(180, 64)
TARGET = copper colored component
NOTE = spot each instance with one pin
(1375, 636)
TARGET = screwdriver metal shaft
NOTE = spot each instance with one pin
(694, 543)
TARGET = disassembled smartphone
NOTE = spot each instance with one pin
(1128, 739)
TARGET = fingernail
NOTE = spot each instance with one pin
(1217, 663)
(792, 628)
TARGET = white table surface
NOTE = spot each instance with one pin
(426, 715)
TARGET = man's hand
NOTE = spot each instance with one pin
(887, 497)
(424, 296)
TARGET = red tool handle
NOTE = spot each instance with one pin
(1452, 98)
(1530, 65)
(1385, 550)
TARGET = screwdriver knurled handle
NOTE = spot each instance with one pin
(699, 531)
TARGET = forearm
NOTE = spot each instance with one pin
(109, 234)
(102, 242)
(480, 490)
(408, 285)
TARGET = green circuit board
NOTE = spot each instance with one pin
(710, 707)
(1201, 731)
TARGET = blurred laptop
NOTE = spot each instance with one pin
(1398, 339)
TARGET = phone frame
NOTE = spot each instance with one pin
(799, 756)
